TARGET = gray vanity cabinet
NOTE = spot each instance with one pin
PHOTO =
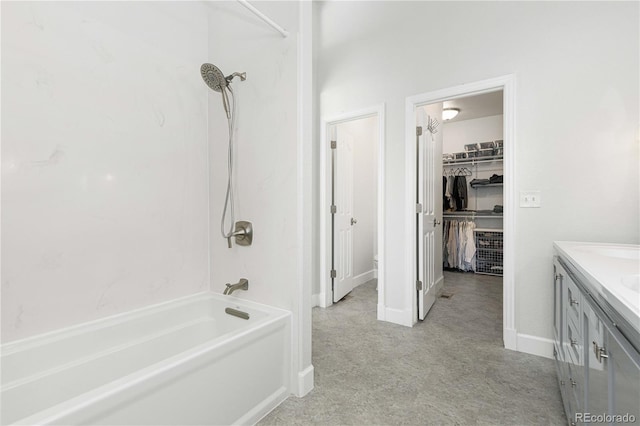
(598, 367)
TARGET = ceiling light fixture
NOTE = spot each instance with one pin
(449, 113)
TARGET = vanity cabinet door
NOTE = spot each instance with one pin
(557, 303)
(573, 303)
(624, 368)
(597, 375)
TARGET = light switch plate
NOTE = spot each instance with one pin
(530, 199)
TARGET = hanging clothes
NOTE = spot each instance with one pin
(447, 188)
(458, 245)
(445, 245)
(445, 200)
(470, 246)
(452, 203)
(460, 192)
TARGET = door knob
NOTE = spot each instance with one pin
(353, 221)
(436, 222)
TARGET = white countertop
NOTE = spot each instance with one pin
(613, 270)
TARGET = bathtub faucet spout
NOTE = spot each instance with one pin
(243, 284)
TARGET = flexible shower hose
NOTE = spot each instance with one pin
(228, 200)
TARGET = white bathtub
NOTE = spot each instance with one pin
(181, 362)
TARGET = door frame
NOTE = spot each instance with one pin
(507, 84)
(325, 298)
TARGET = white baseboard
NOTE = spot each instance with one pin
(439, 286)
(381, 313)
(510, 338)
(396, 316)
(363, 278)
(400, 316)
(535, 345)
(315, 299)
(305, 382)
(322, 299)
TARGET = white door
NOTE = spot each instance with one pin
(428, 205)
(343, 220)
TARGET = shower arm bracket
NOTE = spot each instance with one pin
(242, 75)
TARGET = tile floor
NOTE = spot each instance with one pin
(449, 369)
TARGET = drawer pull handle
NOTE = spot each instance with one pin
(574, 302)
(574, 342)
(599, 351)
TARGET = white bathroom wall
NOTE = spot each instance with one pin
(364, 134)
(104, 159)
(576, 66)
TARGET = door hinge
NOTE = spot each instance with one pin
(334, 144)
(419, 285)
(334, 209)
(333, 273)
(418, 131)
(418, 208)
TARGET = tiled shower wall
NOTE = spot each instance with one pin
(104, 159)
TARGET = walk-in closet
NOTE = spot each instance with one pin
(472, 190)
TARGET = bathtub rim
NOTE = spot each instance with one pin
(41, 339)
(275, 320)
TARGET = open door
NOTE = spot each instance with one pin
(428, 205)
(342, 213)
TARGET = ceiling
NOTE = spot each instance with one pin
(478, 106)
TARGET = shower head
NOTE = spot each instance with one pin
(213, 77)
